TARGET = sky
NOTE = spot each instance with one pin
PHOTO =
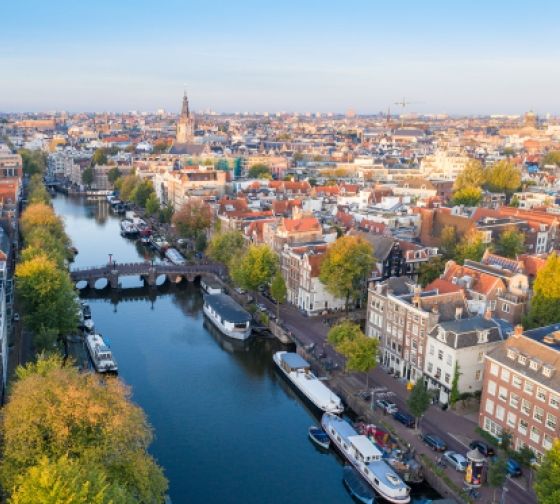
(471, 57)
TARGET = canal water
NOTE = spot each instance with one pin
(228, 428)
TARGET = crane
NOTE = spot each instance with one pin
(404, 103)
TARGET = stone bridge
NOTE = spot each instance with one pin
(147, 270)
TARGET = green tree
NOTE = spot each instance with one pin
(99, 157)
(514, 202)
(503, 176)
(547, 485)
(430, 270)
(419, 400)
(34, 162)
(194, 217)
(471, 176)
(222, 164)
(545, 304)
(166, 214)
(255, 268)
(152, 204)
(278, 291)
(225, 246)
(127, 186)
(448, 242)
(470, 247)
(468, 196)
(343, 332)
(259, 171)
(36, 190)
(497, 474)
(551, 158)
(113, 174)
(361, 355)
(345, 267)
(54, 411)
(88, 176)
(510, 243)
(454, 394)
(142, 192)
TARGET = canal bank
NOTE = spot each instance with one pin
(227, 427)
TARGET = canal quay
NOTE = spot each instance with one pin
(228, 428)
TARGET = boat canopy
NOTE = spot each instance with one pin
(365, 447)
(227, 308)
(294, 361)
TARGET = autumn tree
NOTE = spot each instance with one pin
(510, 243)
(545, 303)
(127, 185)
(468, 196)
(40, 215)
(345, 267)
(42, 241)
(551, 158)
(224, 246)
(547, 485)
(278, 291)
(503, 176)
(470, 247)
(152, 204)
(99, 157)
(472, 176)
(255, 267)
(36, 190)
(194, 217)
(63, 425)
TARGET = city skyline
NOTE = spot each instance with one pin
(317, 57)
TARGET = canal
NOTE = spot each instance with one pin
(228, 428)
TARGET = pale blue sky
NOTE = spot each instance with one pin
(301, 55)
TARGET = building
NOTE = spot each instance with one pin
(184, 138)
(11, 165)
(521, 389)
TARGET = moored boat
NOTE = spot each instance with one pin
(86, 311)
(229, 317)
(298, 371)
(175, 256)
(128, 229)
(357, 486)
(366, 459)
(100, 354)
(89, 326)
(319, 437)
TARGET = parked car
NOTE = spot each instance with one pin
(387, 406)
(239, 290)
(513, 468)
(434, 442)
(404, 418)
(483, 448)
(457, 461)
(260, 307)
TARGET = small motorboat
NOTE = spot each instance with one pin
(357, 486)
(319, 437)
(89, 326)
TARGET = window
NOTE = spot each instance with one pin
(494, 369)
(547, 441)
(482, 336)
(523, 426)
(431, 349)
(551, 421)
(554, 401)
(528, 387)
(525, 407)
(516, 381)
(492, 427)
(505, 375)
(491, 387)
(500, 412)
(522, 359)
(511, 419)
(538, 414)
(489, 406)
(480, 356)
(505, 307)
(535, 435)
(430, 367)
(449, 359)
(513, 400)
(478, 375)
(502, 394)
(541, 394)
(447, 377)
(440, 354)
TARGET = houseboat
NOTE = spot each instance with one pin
(366, 458)
(298, 371)
(227, 316)
(128, 229)
(175, 256)
(100, 354)
(210, 287)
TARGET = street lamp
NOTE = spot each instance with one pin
(505, 490)
(110, 259)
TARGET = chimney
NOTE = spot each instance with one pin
(458, 312)
(518, 331)
(487, 314)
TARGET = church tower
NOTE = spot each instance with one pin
(185, 126)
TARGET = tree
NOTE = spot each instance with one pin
(497, 474)
(419, 400)
(551, 158)
(430, 270)
(56, 412)
(471, 176)
(448, 241)
(34, 162)
(454, 394)
(99, 157)
(503, 176)
(361, 355)
(260, 171)
(194, 217)
(545, 304)
(510, 243)
(224, 246)
(40, 215)
(222, 164)
(152, 204)
(547, 485)
(127, 185)
(166, 214)
(514, 202)
(470, 247)
(345, 267)
(468, 196)
(36, 191)
(255, 268)
(41, 241)
(113, 174)
(278, 291)
(142, 192)
(88, 176)
(343, 332)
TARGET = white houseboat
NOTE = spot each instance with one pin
(100, 354)
(128, 229)
(298, 371)
(210, 287)
(364, 455)
(227, 316)
(175, 256)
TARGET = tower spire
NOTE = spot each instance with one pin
(185, 110)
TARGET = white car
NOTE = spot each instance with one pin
(457, 461)
(388, 406)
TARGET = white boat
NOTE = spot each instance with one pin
(100, 354)
(230, 318)
(298, 371)
(364, 455)
(89, 325)
(210, 287)
(128, 228)
(175, 256)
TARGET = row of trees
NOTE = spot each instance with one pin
(545, 303)
(34, 161)
(503, 176)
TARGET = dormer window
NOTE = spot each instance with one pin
(482, 336)
(548, 370)
(522, 359)
(441, 335)
(534, 364)
(512, 353)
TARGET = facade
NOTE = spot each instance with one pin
(521, 389)
(11, 165)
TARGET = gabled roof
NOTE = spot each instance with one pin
(305, 224)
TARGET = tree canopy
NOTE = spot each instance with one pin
(470, 247)
(419, 399)
(152, 204)
(468, 196)
(113, 174)
(194, 217)
(545, 303)
(551, 158)
(472, 176)
(278, 290)
(260, 171)
(255, 267)
(99, 157)
(36, 190)
(88, 176)
(345, 267)
(510, 243)
(503, 176)
(84, 428)
(448, 242)
(34, 161)
(430, 270)
(223, 247)
(547, 485)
